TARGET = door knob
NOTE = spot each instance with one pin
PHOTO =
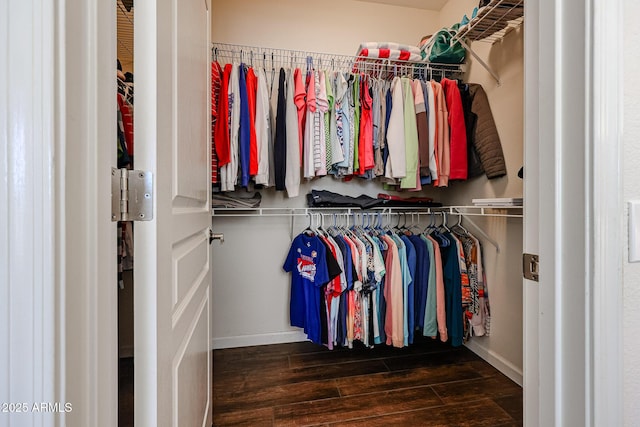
(215, 236)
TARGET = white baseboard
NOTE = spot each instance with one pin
(500, 363)
(261, 339)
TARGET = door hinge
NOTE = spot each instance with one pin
(131, 195)
(530, 267)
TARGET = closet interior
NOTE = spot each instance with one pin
(125, 156)
(251, 290)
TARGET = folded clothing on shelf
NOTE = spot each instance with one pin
(397, 201)
(323, 198)
(237, 200)
(327, 199)
(391, 54)
(389, 46)
(502, 201)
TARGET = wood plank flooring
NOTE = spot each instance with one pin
(302, 384)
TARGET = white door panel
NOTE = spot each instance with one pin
(190, 267)
(187, 222)
(572, 351)
(191, 183)
(172, 63)
(191, 371)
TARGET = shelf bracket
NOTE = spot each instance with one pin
(456, 211)
(477, 58)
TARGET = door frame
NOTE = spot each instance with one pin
(573, 368)
(606, 225)
(85, 113)
(60, 334)
(81, 242)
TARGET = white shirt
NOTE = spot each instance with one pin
(263, 128)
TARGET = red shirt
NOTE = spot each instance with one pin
(216, 83)
(252, 85)
(222, 137)
(127, 122)
(458, 132)
(365, 144)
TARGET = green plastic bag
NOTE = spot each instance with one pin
(441, 49)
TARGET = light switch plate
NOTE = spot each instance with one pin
(634, 231)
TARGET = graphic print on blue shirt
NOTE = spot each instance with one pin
(307, 264)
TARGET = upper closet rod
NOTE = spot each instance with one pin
(268, 57)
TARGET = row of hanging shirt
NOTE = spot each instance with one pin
(125, 123)
(383, 285)
(276, 128)
(124, 147)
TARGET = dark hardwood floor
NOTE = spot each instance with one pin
(426, 384)
(125, 392)
(302, 384)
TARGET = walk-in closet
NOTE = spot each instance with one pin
(271, 367)
(311, 175)
(125, 17)
(268, 372)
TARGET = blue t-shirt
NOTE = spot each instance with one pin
(244, 133)
(420, 280)
(411, 262)
(307, 264)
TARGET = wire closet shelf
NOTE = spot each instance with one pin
(273, 58)
(487, 211)
(493, 22)
(369, 215)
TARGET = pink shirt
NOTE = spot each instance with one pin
(441, 314)
(442, 130)
(394, 317)
(300, 99)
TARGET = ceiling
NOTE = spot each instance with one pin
(418, 4)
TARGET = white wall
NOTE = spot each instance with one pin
(332, 26)
(504, 346)
(631, 191)
(250, 291)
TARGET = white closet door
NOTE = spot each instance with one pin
(172, 274)
(573, 348)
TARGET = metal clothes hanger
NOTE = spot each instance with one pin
(444, 222)
(309, 230)
(458, 225)
(438, 233)
(320, 227)
(414, 225)
(333, 229)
